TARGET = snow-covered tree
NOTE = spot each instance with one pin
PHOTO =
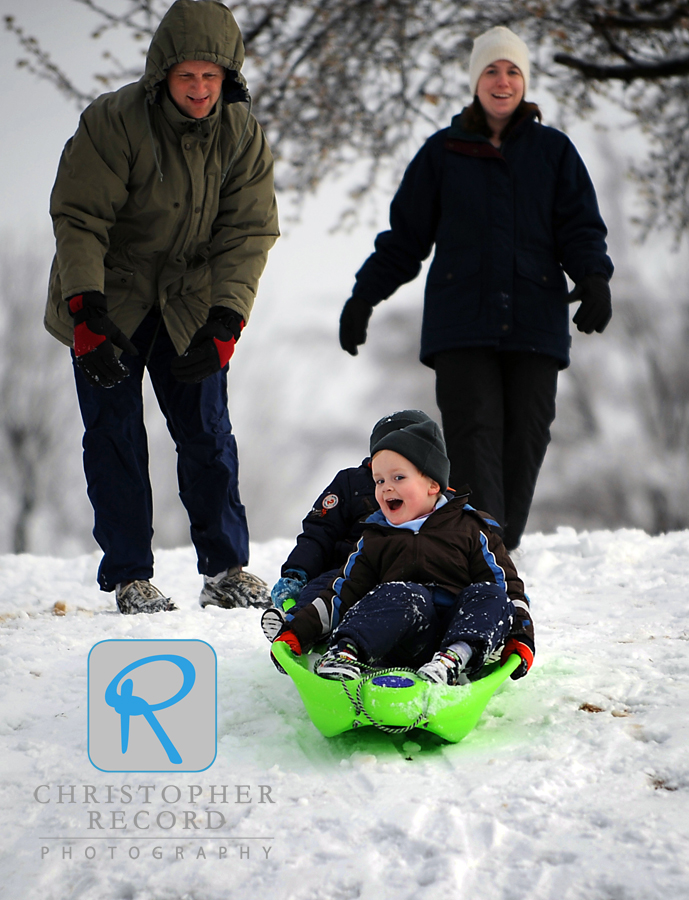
(40, 473)
(341, 80)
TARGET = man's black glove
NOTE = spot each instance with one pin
(211, 347)
(596, 304)
(353, 324)
(94, 337)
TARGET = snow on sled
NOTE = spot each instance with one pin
(394, 700)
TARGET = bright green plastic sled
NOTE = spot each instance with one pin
(394, 700)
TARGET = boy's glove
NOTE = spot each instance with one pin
(525, 648)
(354, 323)
(211, 347)
(596, 304)
(290, 585)
(94, 337)
(292, 641)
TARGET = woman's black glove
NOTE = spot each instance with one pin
(596, 304)
(353, 324)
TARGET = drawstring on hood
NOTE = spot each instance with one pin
(234, 156)
(147, 113)
(197, 30)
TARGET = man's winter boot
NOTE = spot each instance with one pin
(141, 596)
(235, 589)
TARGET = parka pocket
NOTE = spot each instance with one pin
(453, 290)
(543, 271)
(196, 283)
(190, 298)
(540, 294)
(118, 285)
(452, 269)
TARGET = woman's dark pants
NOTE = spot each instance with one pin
(497, 408)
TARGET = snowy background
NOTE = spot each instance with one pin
(301, 407)
(573, 786)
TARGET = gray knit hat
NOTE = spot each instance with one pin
(394, 422)
(422, 443)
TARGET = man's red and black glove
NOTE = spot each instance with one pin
(292, 641)
(95, 339)
(523, 646)
(210, 349)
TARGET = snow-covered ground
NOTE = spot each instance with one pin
(573, 786)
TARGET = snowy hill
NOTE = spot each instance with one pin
(572, 787)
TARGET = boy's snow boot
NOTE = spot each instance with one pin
(141, 596)
(339, 663)
(235, 589)
(272, 623)
(444, 668)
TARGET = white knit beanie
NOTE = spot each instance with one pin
(498, 43)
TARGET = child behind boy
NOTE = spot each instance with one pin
(430, 584)
(330, 531)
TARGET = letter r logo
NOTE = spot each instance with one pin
(152, 706)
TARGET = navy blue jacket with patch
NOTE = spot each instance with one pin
(331, 530)
(506, 224)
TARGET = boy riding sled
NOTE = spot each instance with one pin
(429, 585)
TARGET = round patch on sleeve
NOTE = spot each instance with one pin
(330, 501)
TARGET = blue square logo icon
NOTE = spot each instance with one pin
(152, 706)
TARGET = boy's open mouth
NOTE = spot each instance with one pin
(393, 504)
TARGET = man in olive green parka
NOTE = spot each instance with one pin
(164, 211)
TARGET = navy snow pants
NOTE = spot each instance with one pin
(398, 623)
(116, 463)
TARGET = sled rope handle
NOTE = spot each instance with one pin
(360, 710)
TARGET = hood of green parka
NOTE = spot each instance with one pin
(195, 29)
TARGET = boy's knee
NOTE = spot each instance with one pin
(401, 593)
(484, 591)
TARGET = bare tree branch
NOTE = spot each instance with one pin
(41, 64)
(648, 23)
(648, 71)
(335, 81)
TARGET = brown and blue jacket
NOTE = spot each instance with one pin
(455, 547)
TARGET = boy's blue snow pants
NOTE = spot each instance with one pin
(116, 463)
(398, 623)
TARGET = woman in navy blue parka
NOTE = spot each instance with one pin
(510, 208)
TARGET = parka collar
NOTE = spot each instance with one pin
(458, 132)
(196, 29)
